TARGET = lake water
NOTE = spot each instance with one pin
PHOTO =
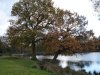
(89, 62)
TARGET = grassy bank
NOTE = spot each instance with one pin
(14, 66)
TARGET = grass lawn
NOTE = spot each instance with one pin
(12, 66)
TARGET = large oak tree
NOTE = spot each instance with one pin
(33, 18)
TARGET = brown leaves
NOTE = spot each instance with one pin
(51, 42)
(90, 45)
(60, 41)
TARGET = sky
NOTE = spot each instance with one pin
(5, 14)
(82, 7)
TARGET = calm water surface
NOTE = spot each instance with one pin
(89, 62)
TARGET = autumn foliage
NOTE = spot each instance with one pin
(60, 41)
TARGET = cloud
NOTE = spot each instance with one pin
(5, 14)
(3, 28)
(4, 18)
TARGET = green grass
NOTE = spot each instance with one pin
(12, 66)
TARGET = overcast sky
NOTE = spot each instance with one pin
(5, 14)
(82, 7)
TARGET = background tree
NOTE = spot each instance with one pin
(96, 6)
(98, 44)
(1, 47)
(84, 39)
(4, 45)
(15, 41)
(34, 17)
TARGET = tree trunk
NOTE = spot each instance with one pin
(33, 50)
(56, 55)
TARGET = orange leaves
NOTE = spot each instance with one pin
(90, 45)
(56, 41)
(51, 42)
(72, 44)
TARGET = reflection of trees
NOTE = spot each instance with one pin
(80, 64)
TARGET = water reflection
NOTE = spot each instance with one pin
(89, 62)
(79, 65)
(93, 67)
